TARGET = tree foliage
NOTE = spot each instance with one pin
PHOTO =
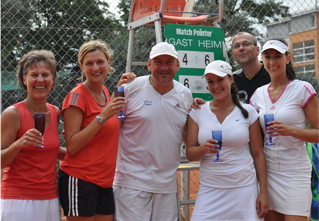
(61, 26)
(144, 38)
(124, 6)
(64, 25)
(57, 30)
(15, 22)
(242, 15)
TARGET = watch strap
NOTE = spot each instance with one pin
(99, 119)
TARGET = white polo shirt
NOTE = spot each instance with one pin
(237, 168)
(151, 136)
(289, 153)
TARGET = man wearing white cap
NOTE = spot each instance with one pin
(253, 75)
(156, 111)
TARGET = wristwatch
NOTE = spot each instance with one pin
(99, 119)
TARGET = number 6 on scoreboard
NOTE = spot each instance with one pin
(207, 61)
(186, 82)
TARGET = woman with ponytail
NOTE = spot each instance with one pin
(292, 102)
(228, 189)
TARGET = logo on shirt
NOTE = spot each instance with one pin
(74, 98)
(243, 96)
(177, 105)
(148, 102)
(237, 119)
(273, 108)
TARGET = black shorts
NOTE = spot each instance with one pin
(81, 198)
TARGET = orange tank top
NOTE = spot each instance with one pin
(32, 174)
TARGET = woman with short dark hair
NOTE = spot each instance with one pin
(28, 187)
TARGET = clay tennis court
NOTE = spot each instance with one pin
(193, 188)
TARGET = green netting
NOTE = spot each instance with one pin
(9, 80)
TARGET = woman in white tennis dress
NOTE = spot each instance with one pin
(228, 189)
(292, 102)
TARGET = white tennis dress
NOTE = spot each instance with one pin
(228, 189)
(288, 164)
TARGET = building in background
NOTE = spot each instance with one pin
(301, 31)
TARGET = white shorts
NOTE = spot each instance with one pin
(137, 205)
(289, 193)
(30, 210)
(231, 204)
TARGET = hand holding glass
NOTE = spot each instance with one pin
(119, 92)
(268, 118)
(217, 135)
(39, 121)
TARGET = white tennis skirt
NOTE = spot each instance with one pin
(30, 210)
(232, 204)
(289, 193)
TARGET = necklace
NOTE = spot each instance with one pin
(95, 97)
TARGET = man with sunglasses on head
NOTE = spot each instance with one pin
(253, 75)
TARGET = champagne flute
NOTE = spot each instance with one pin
(268, 118)
(119, 92)
(39, 121)
(217, 135)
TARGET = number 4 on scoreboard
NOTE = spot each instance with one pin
(185, 59)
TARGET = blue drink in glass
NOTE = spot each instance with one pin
(217, 135)
(119, 92)
(268, 118)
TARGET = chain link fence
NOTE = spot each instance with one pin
(62, 26)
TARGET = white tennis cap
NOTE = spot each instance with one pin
(163, 48)
(275, 44)
(219, 68)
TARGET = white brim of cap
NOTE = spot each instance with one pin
(281, 50)
(275, 44)
(163, 53)
(218, 73)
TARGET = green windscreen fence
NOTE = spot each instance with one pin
(9, 80)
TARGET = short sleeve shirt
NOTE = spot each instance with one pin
(96, 161)
(151, 136)
(289, 153)
(237, 168)
(247, 87)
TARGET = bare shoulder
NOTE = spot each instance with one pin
(58, 113)
(10, 114)
(57, 110)
(10, 124)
